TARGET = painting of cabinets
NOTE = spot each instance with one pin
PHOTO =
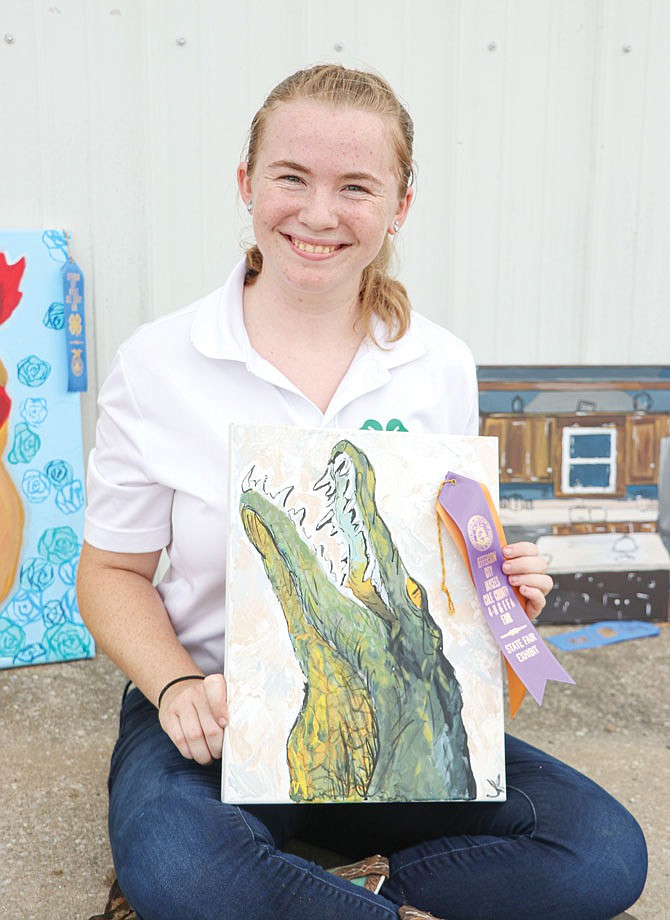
(643, 437)
(584, 465)
(524, 447)
(621, 451)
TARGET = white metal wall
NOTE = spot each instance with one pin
(541, 230)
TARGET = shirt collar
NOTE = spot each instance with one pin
(218, 331)
(392, 354)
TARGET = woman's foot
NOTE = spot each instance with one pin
(117, 907)
(369, 873)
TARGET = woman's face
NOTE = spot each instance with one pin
(325, 194)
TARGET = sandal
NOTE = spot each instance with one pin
(411, 913)
(117, 907)
(368, 873)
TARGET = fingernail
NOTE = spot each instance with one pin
(506, 567)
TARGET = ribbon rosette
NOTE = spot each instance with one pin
(466, 508)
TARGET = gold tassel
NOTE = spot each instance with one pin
(445, 589)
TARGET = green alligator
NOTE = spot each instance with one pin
(381, 716)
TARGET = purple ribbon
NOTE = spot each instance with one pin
(465, 502)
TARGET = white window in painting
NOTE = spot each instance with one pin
(588, 460)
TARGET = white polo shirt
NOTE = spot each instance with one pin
(157, 476)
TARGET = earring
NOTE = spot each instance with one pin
(396, 226)
(250, 206)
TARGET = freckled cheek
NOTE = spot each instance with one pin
(371, 223)
(376, 231)
(272, 216)
(271, 202)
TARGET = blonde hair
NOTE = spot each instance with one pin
(380, 294)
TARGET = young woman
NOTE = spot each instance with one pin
(309, 330)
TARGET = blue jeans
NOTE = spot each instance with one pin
(559, 847)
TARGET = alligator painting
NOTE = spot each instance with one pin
(381, 714)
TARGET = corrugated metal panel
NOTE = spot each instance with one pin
(540, 231)
(619, 125)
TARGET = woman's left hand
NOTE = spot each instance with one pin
(526, 571)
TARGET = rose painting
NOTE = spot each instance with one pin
(41, 464)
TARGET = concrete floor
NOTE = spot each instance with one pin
(58, 725)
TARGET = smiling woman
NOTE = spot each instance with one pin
(318, 234)
(318, 231)
(367, 165)
(310, 330)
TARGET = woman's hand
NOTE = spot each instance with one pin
(525, 570)
(194, 714)
(122, 608)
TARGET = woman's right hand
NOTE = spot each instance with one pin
(125, 613)
(194, 713)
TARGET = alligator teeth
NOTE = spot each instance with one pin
(351, 510)
(324, 481)
(342, 520)
(326, 519)
(370, 566)
(282, 496)
(248, 483)
(325, 560)
(374, 576)
(298, 515)
(380, 588)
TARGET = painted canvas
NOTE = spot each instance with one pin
(585, 473)
(41, 460)
(353, 676)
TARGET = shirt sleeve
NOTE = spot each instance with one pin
(127, 510)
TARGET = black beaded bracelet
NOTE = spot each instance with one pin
(177, 680)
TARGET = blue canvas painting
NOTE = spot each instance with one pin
(41, 458)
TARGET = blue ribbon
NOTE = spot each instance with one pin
(75, 327)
